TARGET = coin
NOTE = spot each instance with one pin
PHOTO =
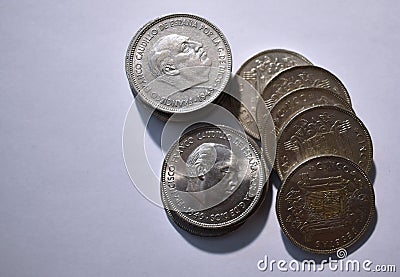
(323, 130)
(301, 99)
(325, 204)
(258, 71)
(212, 180)
(178, 63)
(302, 77)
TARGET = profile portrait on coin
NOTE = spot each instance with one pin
(211, 164)
(178, 63)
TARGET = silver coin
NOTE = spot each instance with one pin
(323, 130)
(301, 99)
(212, 180)
(302, 77)
(258, 71)
(178, 63)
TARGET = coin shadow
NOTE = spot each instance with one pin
(236, 239)
(154, 125)
(372, 173)
(301, 255)
(275, 180)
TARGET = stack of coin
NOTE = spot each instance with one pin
(212, 180)
(177, 64)
(322, 156)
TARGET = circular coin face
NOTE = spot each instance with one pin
(325, 204)
(301, 99)
(323, 130)
(212, 180)
(258, 71)
(302, 77)
(178, 63)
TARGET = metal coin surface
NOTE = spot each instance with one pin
(302, 77)
(325, 204)
(178, 63)
(212, 180)
(323, 130)
(301, 99)
(258, 71)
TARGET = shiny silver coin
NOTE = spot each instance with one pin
(302, 77)
(258, 71)
(301, 99)
(178, 63)
(323, 130)
(212, 180)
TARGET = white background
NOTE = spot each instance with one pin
(67, 204)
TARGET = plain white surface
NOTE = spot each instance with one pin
(67, 205)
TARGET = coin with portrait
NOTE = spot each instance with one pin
(178, 63)
(212, 180)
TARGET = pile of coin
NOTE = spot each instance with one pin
(326, 201)
(212, 180)
(214, 177)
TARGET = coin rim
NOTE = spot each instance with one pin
(372, 211)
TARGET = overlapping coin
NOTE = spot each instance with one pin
(326, 203)
(302, 77)
(178, 63)
(258, 71)
(301, 99)
(212, 180)
(323, 130)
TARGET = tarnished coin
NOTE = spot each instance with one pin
(302, 77)
(178, 63)
(212, 180)
(325, 204)
(301, 99)
(258, 71)
(323, 130)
